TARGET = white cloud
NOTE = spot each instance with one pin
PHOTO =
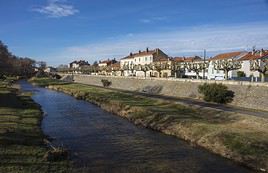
(187, 41)
(57, 9)
(153, 19)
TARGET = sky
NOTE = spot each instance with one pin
(60, 31)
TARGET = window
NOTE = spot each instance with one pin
(145, 58)
(139, 59)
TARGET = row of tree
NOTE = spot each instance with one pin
(178, 67)
(14, 65)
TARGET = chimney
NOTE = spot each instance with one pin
(262, 52)
(147, 49)
(253, 50)
(157, 51)
(139, 51)
(130, 54)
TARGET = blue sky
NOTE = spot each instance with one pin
(59, 31)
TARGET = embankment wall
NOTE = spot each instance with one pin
(247, 94)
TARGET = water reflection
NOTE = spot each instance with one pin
(102, 142)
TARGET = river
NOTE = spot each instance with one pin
(102, 142)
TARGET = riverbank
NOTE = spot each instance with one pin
(241, 138)
(22, 147)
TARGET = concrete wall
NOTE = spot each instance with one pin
(247, 94)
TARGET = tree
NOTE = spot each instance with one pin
(227, 65)
(197, 67)
(160, 66)
(177, 67)
(130, 67)
(63, 68)
(260, 65)
(85, 69)
(143, 68)
(13, 65)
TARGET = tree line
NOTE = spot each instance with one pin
(12, 65)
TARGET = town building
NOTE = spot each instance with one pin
(105, 66)
(224, 59)
(77, 64)
(248, 59)
(50, 70)
(141, 58)
(190, 67)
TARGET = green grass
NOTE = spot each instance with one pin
(239, 137)
(21, 138)
(46, 81)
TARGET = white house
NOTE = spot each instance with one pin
(190, 66)
(50, 70)
(77, 64)
(214, 74)
(104, 66)
(246, 62)
(141, 58)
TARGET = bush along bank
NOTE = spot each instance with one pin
(241, 138)
(22, 148)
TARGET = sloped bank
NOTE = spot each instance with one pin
(247, 94)
(238, 137)
(22, 147)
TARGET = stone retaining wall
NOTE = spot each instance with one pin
(247, 94)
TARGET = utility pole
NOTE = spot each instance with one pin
(204, 70)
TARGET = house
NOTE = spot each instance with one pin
(141, 58)
(50, 70)
(162, 67)
(77, 64)
(247, 60)
(190, 67)
(115, 69)
(225, 65)
(104, 66)
(106, 63)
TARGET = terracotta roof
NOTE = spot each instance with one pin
(108, 61)
(115, 64)
(228, 55)
(253, 56)
(161, 58)
(187, 59)
(178, 59)
(141, 53)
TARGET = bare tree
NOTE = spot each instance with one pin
(178, 67)
(160, 66)
(260, 65)
(143, 68)
(227, 65)
(197, 67)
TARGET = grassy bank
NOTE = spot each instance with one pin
(239, 137)
(21, 139)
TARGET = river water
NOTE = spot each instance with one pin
(102, 142)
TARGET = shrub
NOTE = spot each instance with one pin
(106, 83)
(218, 93)
(241, 74)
